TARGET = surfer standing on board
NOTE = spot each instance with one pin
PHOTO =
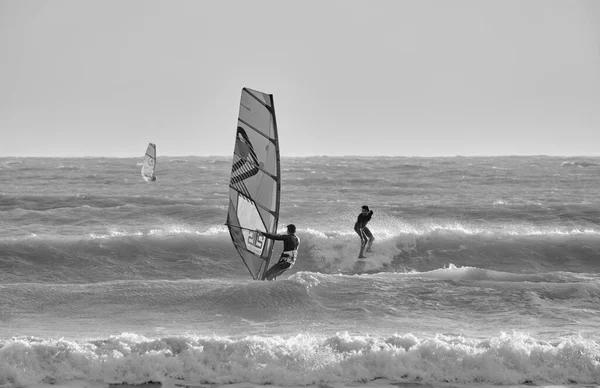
(289, 254)
(360, 227)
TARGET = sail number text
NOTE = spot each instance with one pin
(256, 240)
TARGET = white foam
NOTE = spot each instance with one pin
(379, 383)
(303, 360)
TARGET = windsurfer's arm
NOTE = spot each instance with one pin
(271, 236)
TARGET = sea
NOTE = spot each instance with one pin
(485, 271)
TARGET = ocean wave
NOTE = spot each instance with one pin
(159, 253)
(304, 359)
(89, 201)
(578, 164)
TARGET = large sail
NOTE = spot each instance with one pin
(149, 163)
(254, 188)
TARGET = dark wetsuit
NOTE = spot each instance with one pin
(288, 256)
(360, 227)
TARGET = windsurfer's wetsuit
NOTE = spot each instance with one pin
(360, 227)
(288, 257)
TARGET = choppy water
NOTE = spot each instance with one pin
(484, 270)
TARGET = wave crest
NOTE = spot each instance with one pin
(304, 359)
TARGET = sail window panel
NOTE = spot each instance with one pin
(244, 214)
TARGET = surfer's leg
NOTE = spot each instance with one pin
(361, 254)
(363, 242)
(369, 237)
(363, 237)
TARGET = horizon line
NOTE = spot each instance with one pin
(314, 156)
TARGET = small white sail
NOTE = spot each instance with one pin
(149, 164)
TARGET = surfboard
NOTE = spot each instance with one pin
(149, 163)
(255, 184)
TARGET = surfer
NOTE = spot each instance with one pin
(290, 251)
(360, 227)
(153, 178)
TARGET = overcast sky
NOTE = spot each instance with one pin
(349, 77)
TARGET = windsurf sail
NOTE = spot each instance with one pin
(149, 163)
(254, 188)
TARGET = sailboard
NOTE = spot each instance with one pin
(255, 184)
(149, 163)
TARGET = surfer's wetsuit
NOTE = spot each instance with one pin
(288, 256)
(360, 227)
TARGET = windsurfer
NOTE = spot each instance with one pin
(360, 227)
(290, 251)
(149, 163)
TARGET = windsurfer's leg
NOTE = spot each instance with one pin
(277, 270)
(276, 275)
(271, 272)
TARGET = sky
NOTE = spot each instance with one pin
(349, 77)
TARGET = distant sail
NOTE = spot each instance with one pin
(254, 188)
(149, 164)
